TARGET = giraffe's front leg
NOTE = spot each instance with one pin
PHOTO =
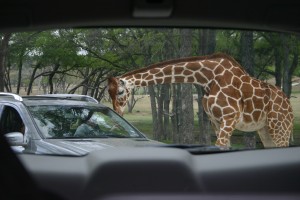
(223, 137)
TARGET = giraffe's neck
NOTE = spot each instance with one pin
(212, 72)
(197, 72)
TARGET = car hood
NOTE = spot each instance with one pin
(79, 147)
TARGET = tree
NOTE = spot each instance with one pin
(163, 92)
(247, 61)
(207, 45)
(290, 61)
(3, 56)
(183, 100)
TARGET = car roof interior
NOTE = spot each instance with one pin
(34, 14)
(211, 176)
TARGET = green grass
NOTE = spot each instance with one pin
(141, 122)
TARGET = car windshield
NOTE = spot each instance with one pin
(62, 121)
(230, 88)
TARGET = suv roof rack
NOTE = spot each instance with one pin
(15, 96)
(76, 97)
(72, 97)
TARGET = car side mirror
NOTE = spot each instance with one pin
(15, 138)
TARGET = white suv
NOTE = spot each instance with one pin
(65, 125)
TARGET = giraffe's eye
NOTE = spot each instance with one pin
(121, 92)
(122, 82)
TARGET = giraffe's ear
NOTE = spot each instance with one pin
(111, 80)
(112, 86)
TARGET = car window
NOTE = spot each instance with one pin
(11, 121)
(61, 121)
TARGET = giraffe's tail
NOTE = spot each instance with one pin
(292, 137)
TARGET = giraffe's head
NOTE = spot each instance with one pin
(119, 93)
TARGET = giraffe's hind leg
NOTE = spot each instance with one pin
(266, 138)
(279, 129)
(217, 129)
(225, 132)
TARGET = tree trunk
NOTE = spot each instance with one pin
(3, 55)
(101, 94)
(50, 78)
(168, 53)
(7, 78)
(185, 96)
(166, 111)
(207, 46)
(288, 74)
(176, 113)
(19, 74)
(247, 52)
(95, 90)
(187, 120)
(154, 111)
(207, 41)
(88, 76)
(278, 68)
(160, 108)
(85, 87)
(289, 47)
(162, 95)
(203, 121)
(130, 102)
(247, 61)
(32, 78)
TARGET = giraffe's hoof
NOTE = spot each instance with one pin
(223, 148)
(223, 145)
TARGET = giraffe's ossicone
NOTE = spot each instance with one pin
(232, 100)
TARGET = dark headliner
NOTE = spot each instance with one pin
(47, 14)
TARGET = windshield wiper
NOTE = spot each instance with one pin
(75, 137)
(114, 135)
(198, 149)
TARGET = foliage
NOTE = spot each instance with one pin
(81, 60)
(82, 53)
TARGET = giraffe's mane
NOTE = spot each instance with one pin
(186, 59)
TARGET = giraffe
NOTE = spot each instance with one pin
(233, 99)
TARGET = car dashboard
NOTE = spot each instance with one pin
(163, 172)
